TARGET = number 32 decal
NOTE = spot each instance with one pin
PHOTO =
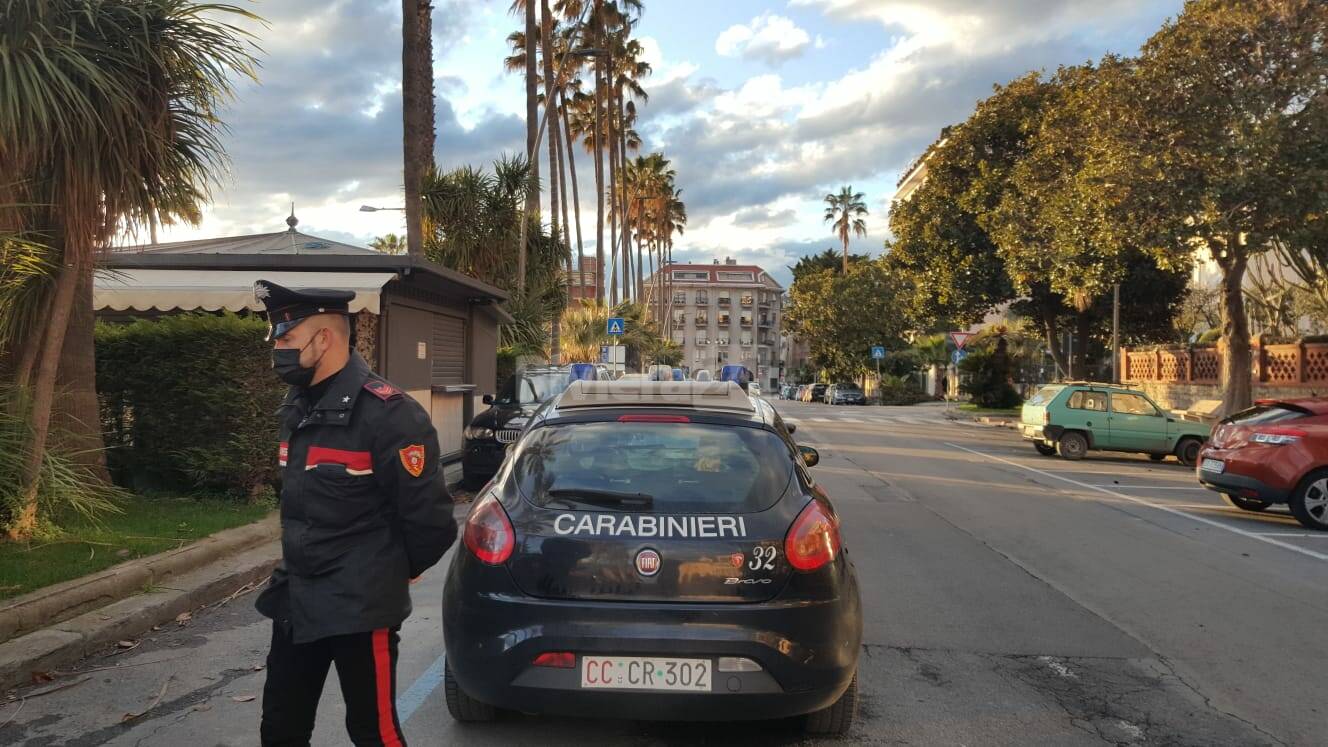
(763, 558)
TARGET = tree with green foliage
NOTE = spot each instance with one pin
(826, 260)
(109, 118)
(844, 212)
(843, 315)
(389, 244)
(1218, 142)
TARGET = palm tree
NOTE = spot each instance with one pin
(110, 119)
(417, 111)
(844, 212)
(389, 244)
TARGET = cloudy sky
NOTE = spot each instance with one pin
(762, 105)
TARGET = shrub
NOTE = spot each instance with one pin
(988, 379)
(901, 390)
(1211, 336)
(188, 403)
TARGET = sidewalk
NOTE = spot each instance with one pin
(60, 624)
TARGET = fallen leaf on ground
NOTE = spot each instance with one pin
(41, 678)
(160, 694)
(203, 707)
(258, 667)
(243, 698)
(183, 617)
(127, 644)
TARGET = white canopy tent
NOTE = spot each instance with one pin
(213, 290)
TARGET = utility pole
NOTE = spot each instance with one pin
(1115, 334)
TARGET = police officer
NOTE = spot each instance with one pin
(364, 510)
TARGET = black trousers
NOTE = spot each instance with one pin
(367, 668)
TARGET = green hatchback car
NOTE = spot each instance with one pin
(1071, 419)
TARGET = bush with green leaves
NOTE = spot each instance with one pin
(901, 390)
(188, 403)
(987, 379)
(64, 487)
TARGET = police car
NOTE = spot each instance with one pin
(654, 550)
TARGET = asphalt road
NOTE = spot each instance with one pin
(1010, 599)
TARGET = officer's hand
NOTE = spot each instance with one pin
(413, 580)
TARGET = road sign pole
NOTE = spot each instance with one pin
(878, 381)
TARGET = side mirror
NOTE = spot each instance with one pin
(810, 457)
(792, 428)
(487, 399)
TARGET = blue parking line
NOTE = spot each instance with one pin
(419, 691)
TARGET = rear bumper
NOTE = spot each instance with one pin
(808, 651)
(1032, 432)
(1232, 480)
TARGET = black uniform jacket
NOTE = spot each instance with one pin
(364, 507)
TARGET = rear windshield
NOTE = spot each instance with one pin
(1044, 396)
(533, 388)
(1265, 414)
(847, 388)
(655, 467)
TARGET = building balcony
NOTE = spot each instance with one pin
(725, 302)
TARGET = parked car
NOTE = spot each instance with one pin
(814, 393)
(654, 552)
(1072, 419)
(1274, 452)
(485, 440)
(844, 394)
(786, 391)
(754, 389)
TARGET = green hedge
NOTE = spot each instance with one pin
(188, 403)
(988, 379)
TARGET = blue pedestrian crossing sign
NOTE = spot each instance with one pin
(616, 325)
(878, 352)
(958, 355)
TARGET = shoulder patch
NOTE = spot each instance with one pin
(381, 389)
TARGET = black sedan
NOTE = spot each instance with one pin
(655, 551)
(491, 431)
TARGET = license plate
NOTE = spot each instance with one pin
(1212, 465)
(645, 673)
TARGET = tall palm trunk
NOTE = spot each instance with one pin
(43, 391)
(417, 112)
(599, 179)
(546, 33)
(532, 125)
(77, 413)
(576, 191)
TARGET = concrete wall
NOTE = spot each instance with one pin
(1184, 396)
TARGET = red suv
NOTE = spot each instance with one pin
(1274, 452)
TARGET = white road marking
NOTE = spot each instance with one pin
(1146, 487)
(1315, 535)
(821, 420)
(1160, 507)
(849, 420)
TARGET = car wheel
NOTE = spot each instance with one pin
(463, 707)
(1248, 504)
(838, 718)
(1309, 504)
(1157, 457)
(1187, 451)
(1044, 449)
(1072, 446)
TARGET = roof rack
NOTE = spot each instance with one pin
(1123, 384)
(701, 395)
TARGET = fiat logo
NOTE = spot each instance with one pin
(647, 562)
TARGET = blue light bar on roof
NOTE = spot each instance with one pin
(582, 372)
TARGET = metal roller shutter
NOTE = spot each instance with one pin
(449, 350)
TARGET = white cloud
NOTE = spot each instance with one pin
(768, 38)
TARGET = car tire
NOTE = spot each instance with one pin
(1247, 504)
(1187, 451)
(1309, 502)
(1072, 445)
(463, 707)
(837, 719)
(1157, 457)
(1044, 449)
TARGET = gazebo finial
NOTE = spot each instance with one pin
(292, 221)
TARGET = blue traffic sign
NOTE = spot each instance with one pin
(958, 355)
(616, 325)
(878, 352)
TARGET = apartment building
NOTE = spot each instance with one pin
(726, 313)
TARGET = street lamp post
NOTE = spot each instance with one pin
(372, 209)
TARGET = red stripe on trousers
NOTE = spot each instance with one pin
(387, 725)
(356, 460)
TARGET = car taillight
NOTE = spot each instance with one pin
(1277, 436)
(556, 660)
(813, 540)
(489, 532)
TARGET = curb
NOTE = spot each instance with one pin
(67, 642)
(60, 602)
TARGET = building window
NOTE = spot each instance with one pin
(746, 339)
(703, 341)
(723, 299)
(721, 341)
(679, 320)
(739, 277)
(679, 338)
(680, 297)
(702, 319)
(747, 299)
(681, 275)
(702, 298)
(700, 356)
(746, 318)
(723, 357)
(725, 318)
